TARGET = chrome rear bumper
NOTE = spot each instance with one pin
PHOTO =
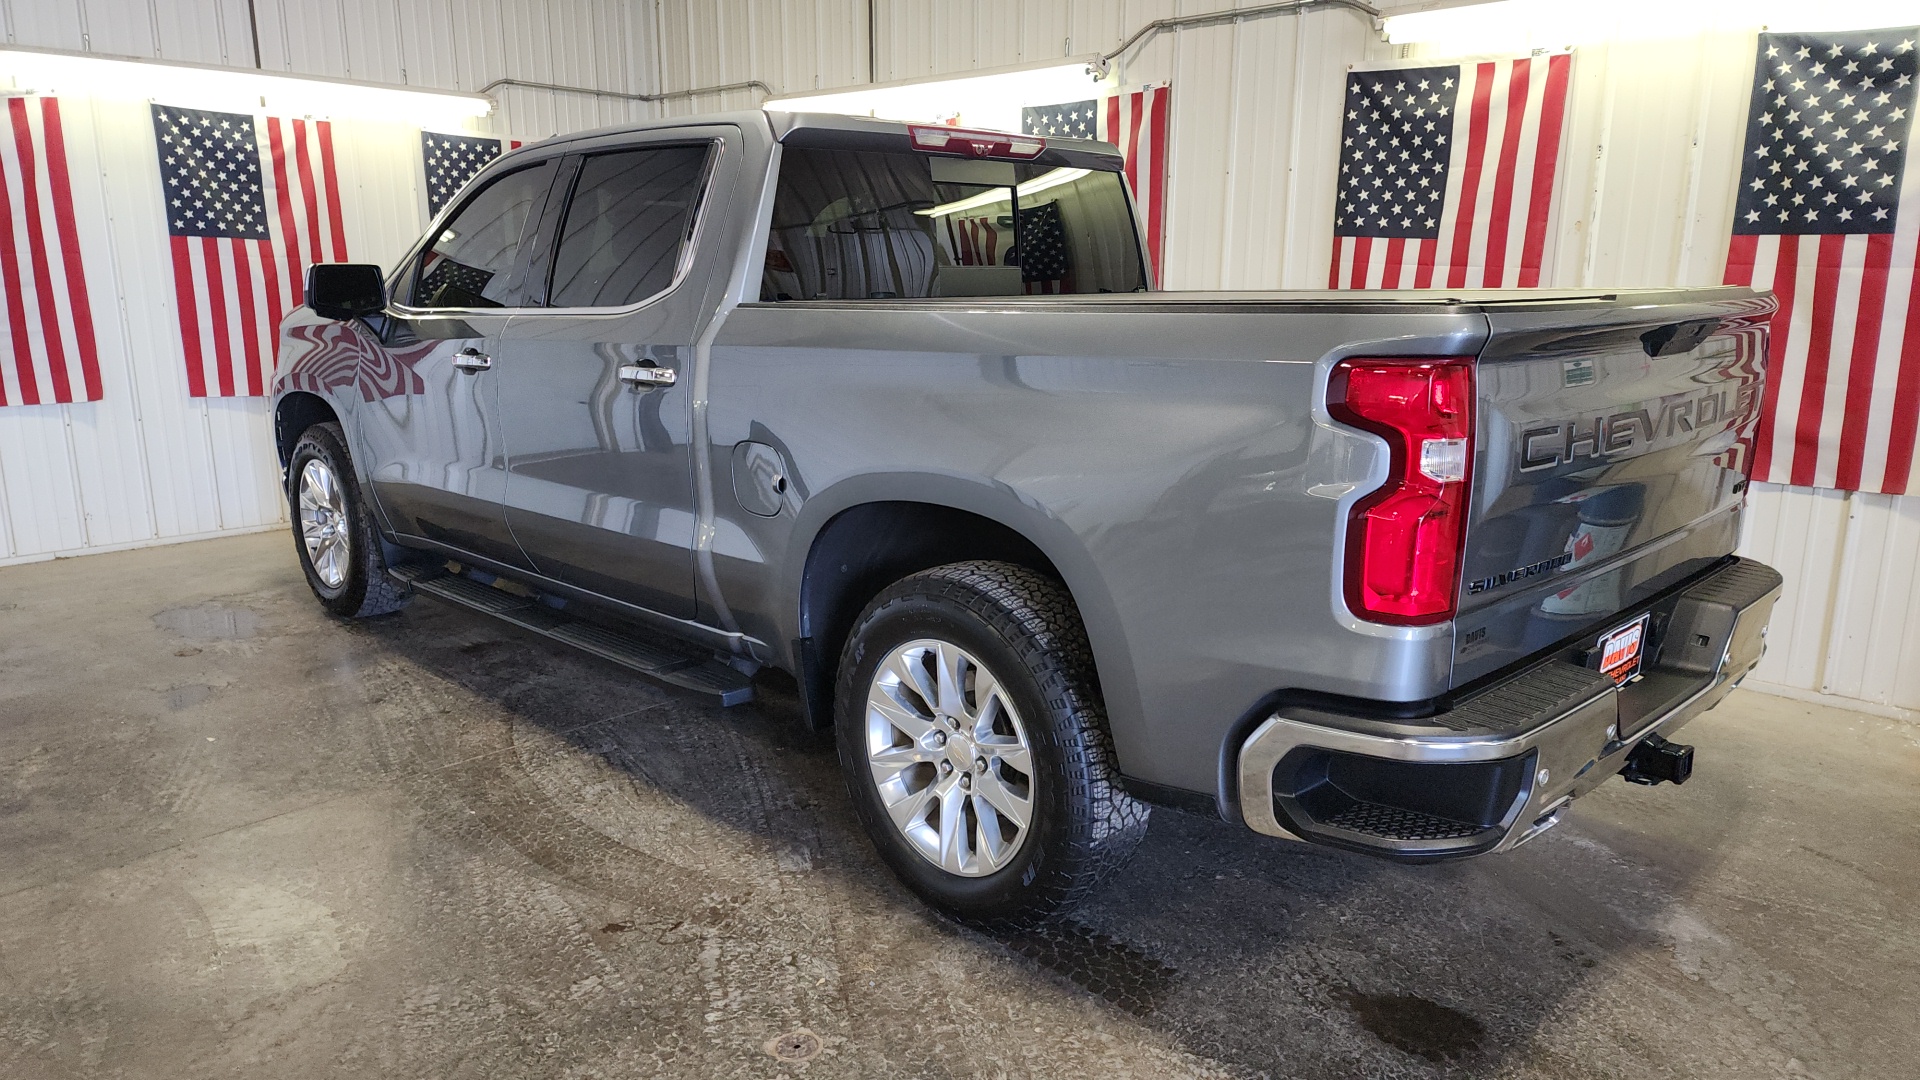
(1497, 768)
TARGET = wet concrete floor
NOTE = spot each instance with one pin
(241, 839)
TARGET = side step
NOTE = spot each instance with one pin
(663, 663)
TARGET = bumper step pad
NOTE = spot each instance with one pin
(661, 661)
(1394, 823)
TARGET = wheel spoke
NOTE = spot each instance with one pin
(911, 724)
(911, 674)
(987, 838)
(907, 811)
(953, 834)
(986, 691)
(1010, 752)
(989, 787)
(901, 757)
(952, 663)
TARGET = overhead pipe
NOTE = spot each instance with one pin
(750, 84)
(1103, 62)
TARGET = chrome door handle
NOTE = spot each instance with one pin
(644, 377)
(472, 359)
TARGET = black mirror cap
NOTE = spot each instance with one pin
(345, 290)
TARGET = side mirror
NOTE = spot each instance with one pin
(345, 290)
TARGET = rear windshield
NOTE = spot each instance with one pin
(861, 225)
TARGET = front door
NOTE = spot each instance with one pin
(436, 452)
(594, 398)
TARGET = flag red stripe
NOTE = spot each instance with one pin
(74, 267)
(183, 293)
(336, 219)
(1362, 249)
(1786, 277)
(1134, 116)
(1423, 270)
(1333, 263)
(289, 236)
(1494, 274)
(1546, 158)
(1740, 260)
(217, 308)
(270, 274)
(50, 336)
(1161, 130)
(303, 161)
(1906, 399)
(1470, 182)
(1860, 372)
(249, 317)
(16, 306)
(1390, 270)
(1813, 388)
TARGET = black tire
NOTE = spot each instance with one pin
(1024, 628)
(365, 589)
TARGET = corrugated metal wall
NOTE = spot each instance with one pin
(149, 464)
(1648, 170)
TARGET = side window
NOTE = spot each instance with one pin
(469, 263)
(626, 226)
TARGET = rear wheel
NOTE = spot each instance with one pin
(975, 746)
(333, 530)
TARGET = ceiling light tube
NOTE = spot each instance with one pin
(206, 86)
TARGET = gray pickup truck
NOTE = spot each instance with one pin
(898, 410)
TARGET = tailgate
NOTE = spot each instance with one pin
(1610, 461)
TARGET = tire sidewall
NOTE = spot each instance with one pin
(1008, 892)
(319, 443)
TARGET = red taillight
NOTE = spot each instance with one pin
(1403, 541)
(975, 144)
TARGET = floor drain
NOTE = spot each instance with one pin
(800, 1045)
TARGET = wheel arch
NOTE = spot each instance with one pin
(294, 413)
(857, 537)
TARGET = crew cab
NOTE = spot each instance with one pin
(901, 411)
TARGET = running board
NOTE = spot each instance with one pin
(719, 682)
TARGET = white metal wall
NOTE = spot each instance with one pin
(149, 464)
(1649, 165)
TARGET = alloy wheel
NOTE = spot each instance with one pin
(950, 757)
(323, 523)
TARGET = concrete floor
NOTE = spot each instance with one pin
(238, 838)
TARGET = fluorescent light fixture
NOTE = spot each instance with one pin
(1520, 25)
(990, 100)
(203, 86)
(1050, 179)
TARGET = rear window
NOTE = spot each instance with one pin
(862, 225)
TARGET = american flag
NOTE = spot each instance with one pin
(1043, 248)
(450, 161)
(250, 204)
(1137, 122)
(47, 355)
(1447, 174)
(1828, 217)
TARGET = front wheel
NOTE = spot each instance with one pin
(975, 746)
(333, 530)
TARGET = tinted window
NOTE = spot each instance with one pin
(470, 262)
(626, 226)
(851, 225)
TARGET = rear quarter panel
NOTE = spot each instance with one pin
(1165, 458)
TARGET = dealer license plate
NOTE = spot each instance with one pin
(1621, 649)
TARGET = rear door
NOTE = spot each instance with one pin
(436, 452)
(595, 402)
(1613, 446)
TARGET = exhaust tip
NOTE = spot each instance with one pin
(1655, 760)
